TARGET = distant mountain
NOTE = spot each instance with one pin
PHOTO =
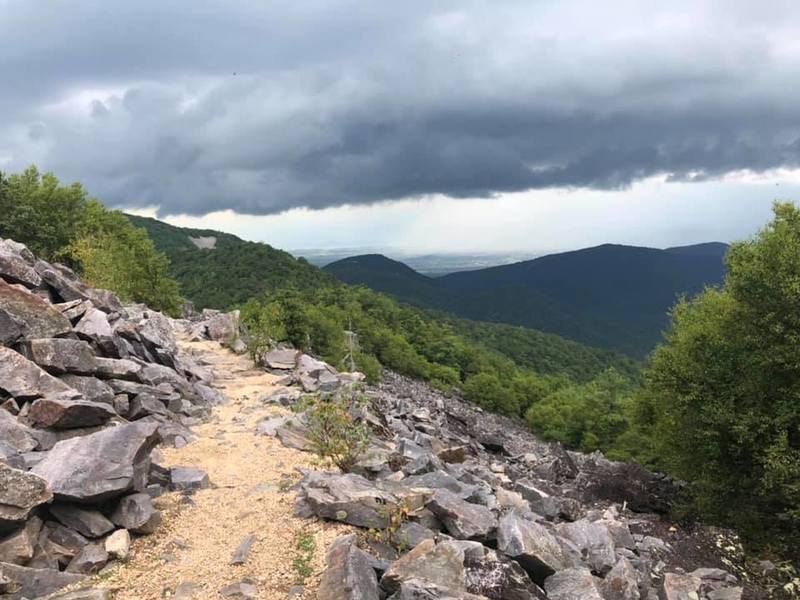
(610, 296)
(220, 270)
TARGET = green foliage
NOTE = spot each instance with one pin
(231, 273)
(722, 397)
(334, 433)
(586, 417)
(60, 223)
(305, 548)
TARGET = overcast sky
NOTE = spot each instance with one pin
(446, 125)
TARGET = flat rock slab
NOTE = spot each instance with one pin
(243, 551)
(281, 359)
(441, 564)
(531, 545)
(62, 413)
(75, 474)
(349, 498)
(463, 520)
(187, 479)
(24, 380)
(34, 583)
(20, 492)
(37, 318)
(58, 355)
(88, 522)
(573, 583)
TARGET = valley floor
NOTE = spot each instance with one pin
(201, 532)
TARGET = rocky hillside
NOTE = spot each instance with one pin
(88, 388)
(449, 502)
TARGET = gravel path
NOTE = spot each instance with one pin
(195, 544)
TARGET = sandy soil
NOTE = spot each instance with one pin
(198, 537)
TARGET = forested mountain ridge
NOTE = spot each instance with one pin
(610, 296)
(232, 271)
(235, 270)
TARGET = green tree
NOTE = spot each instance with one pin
(722, 394)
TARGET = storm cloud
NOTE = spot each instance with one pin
(261, 107)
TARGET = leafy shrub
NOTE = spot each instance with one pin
(334, 433)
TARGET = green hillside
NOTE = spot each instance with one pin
(230, 273)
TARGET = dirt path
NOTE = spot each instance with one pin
(195, 543)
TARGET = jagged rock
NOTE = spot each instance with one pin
(155, 330)
(65, 537)
(58, 356)
(118, 544)
(622, 582)
(441, 564)
(34, 316)
(410, 534)
(349, 574)
(16, 264)
(117, 368)
(681, 587)
(417, 589)
(35, 583)
(144, 405)
(349, 498)
(18, 547)
(223, 327)
(270, 426)
(292, 434)
(594, 543)
(75, 474)
(243, 550)
(531, 545)
(15, 434)
(243, 589)
(186, 479)
(20, 492)
(94, 326)
(572, 584)
(499, 578)
(463, 520)
(90, 387)
(24, 380)
(60, 413)
(88, 522)
(11, 328)
(89, 560)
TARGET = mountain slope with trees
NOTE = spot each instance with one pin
(609, 296)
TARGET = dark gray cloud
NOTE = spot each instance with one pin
(261, 107)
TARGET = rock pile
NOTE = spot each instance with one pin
(459, 503)
(88, 387)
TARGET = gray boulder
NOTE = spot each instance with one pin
(144, 405)
(188, 479)
(15, 434)
(90, 388)
(94, 326)
(18, 547)
(463, 520)
(58, 356)
(62, 413)
(35, 583)
(418, 589)
(24, 380)
(531, 545)
(594, 543)
(283, 359)
(20, 493)
(440, 564)
(621, 582)
(349, 498)
(34, 316)
(117, 368)
(137, 513)
(223, 327)
(75, 474)
(573, 584)
(16, 264)
(89, 560)
(349, 574)
(88, 522)
(676, 586)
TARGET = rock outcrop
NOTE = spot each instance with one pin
(88, 387)
(468, 504)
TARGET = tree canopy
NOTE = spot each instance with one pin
(61, 223)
